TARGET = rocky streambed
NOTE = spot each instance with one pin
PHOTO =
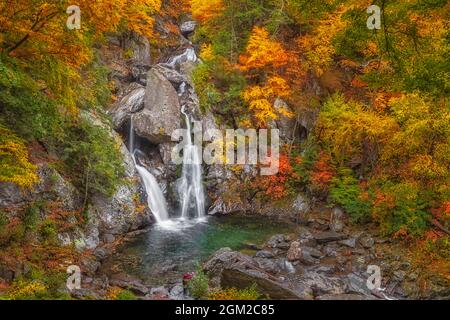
(321, 258)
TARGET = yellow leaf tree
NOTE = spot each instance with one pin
(263, 63)
(14, 164)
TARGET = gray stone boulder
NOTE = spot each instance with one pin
(278, 241)
(329, 236)
(241, 279)
(188, 27)
(357, 284)
(306, 255)
(226, 258)
(350, 242)
(161, 114)
(264, 254)
(127, 282)
(322, 284)
(131, 103)
(172, 75)
(268, 265)
(228, 268)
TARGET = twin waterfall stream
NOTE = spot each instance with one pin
(190, 191)
(190, 186)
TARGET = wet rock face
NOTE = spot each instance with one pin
(116, 215)
(219, 206)
(51, 186)
(161, 114)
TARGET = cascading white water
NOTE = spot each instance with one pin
(155, 197)
(187, 55)
(191, 187)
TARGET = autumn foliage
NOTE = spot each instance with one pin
(204, 10)
(276, 186)
(379, 98)
(15, 166)
(322, 172)
(263, 59)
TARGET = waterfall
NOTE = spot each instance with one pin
(187, 55)
(191, 186)
(155, 198)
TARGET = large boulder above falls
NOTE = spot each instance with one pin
(161, 114)
(131, 103)
(172, 75)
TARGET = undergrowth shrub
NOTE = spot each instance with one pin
(250, 293)
(126, 295)
(401, 207)
(346, 192)
(92, 159)
(199, 284)
(39, 285)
